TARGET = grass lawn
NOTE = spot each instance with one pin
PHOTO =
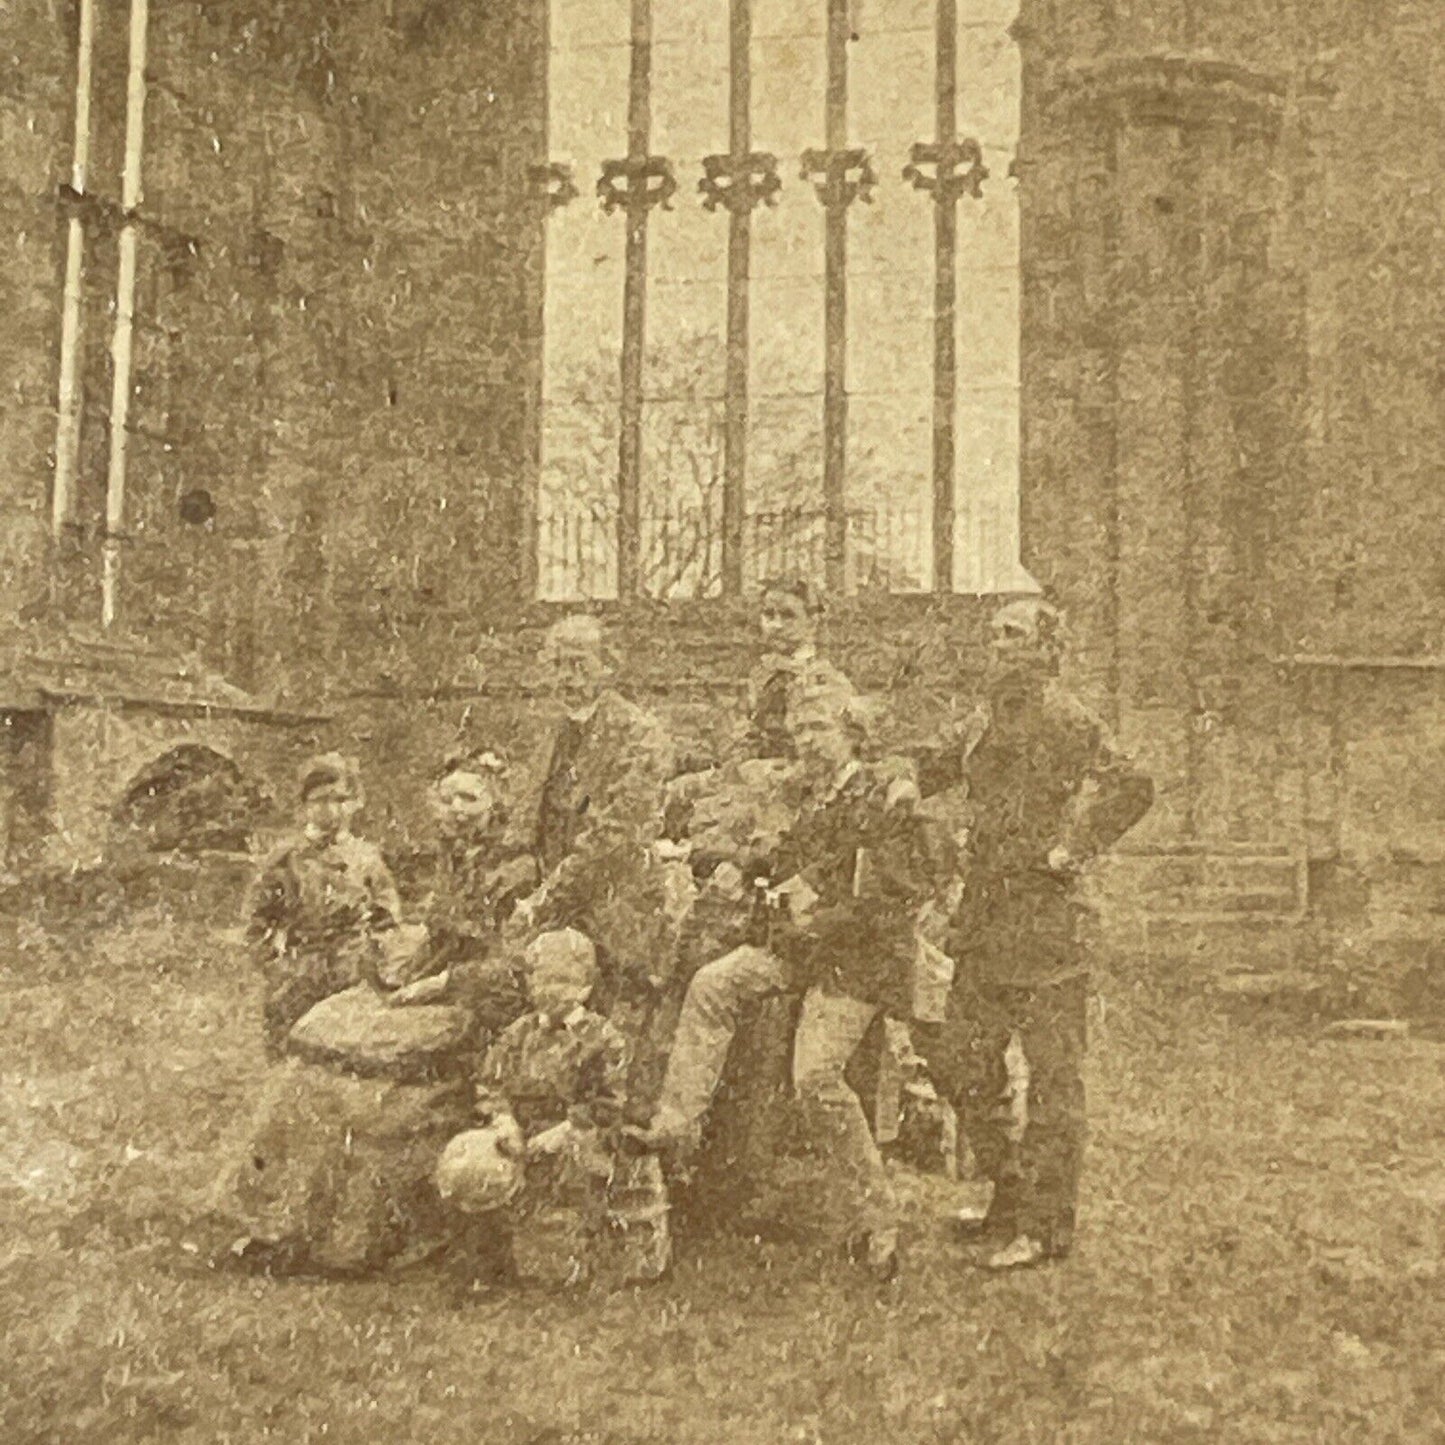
(1259, 1260)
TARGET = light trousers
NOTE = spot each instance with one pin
(717, 997)
(830, 1030)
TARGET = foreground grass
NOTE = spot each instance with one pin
(1259, 1260)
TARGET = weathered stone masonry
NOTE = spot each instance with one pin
(1232, 430)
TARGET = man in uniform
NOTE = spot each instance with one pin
(1047, 791)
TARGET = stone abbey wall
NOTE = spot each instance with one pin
(337, 320)
(1230, 364)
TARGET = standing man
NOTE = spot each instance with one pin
(1048, 792)
(600, 814)
(760, 752)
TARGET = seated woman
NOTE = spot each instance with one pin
(483, 870)
(333, 1173)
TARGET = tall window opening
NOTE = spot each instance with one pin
(782, 309)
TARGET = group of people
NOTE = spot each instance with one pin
(523, 1075)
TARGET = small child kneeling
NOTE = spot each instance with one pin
(531, 1185)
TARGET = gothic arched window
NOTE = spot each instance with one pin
(742, 369)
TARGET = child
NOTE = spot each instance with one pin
(331, 1168)
(551, 1089)
(321, 903)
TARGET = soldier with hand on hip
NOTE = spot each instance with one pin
(1048, 791)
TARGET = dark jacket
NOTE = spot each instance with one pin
(774, 689)
(314, 914)
(601, 810)
(547, 1072)
(1041, 772)
(873, 866)
(477, 888)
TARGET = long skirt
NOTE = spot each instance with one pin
(332, 1173)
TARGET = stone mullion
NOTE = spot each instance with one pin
(835, 311)
(740, 236)
(945, 302)
(628, 184)
(840, 176)
(958, 169)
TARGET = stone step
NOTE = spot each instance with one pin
(1368, 1029)
(1216, 899)
(1199, 883)
(1199, 948)
(1278, 987)
(1164, 872)
(1409, 889)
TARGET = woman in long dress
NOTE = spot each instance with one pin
(483, 870)
(333, 1173)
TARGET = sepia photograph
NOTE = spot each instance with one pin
(722, 722)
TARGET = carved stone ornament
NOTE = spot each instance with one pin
(636, 184)
(958, 169)
(840, 177)
(552, 182)
(740, 183)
